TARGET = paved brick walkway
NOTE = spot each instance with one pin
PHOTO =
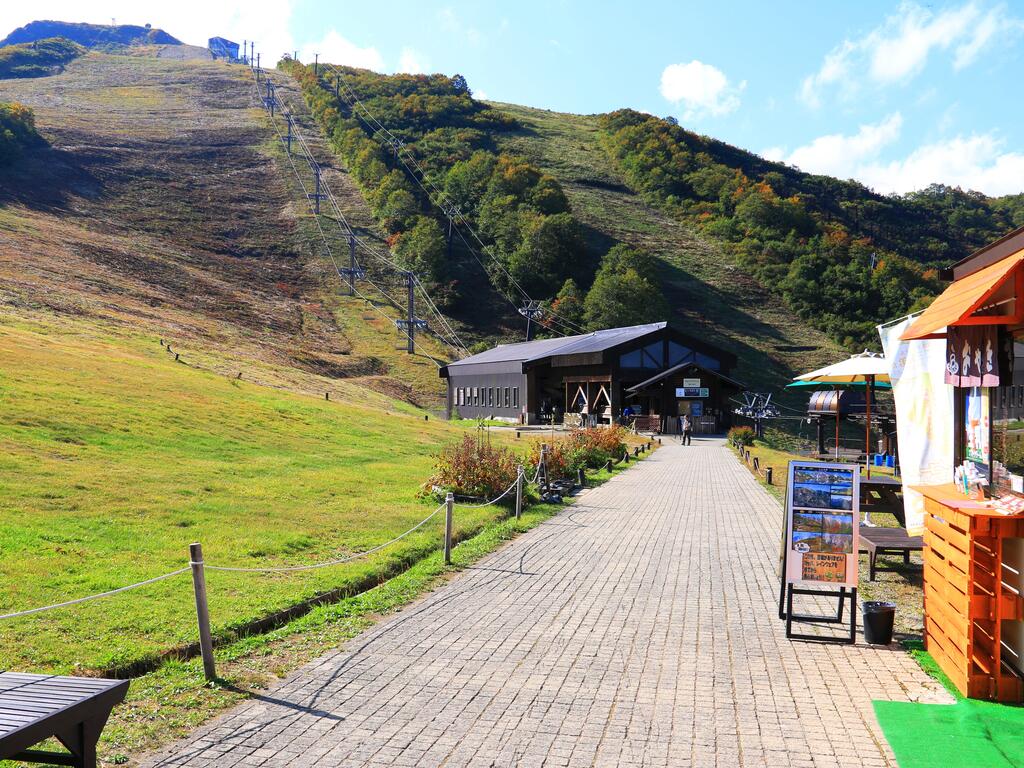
(636, 628)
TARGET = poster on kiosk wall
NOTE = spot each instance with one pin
(822, 533)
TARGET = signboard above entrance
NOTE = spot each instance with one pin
(691, 382)
(691, 391)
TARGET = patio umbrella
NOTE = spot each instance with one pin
(868, 368)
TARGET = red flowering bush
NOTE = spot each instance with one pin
(474, 467)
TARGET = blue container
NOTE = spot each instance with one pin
(890, 461)
(878, 459)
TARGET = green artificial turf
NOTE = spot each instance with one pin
(968, 734)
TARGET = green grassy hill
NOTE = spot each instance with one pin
(709, 293)
(170, 332)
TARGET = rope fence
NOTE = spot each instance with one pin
(198, 566)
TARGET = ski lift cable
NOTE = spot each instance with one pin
(316, 219)
(348, 231)
(402, 153)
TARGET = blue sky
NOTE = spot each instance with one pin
(897, 95)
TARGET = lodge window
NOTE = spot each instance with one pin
(490, 396)
(459, 393)
(515, 397)
(506, 397)
(476, 396)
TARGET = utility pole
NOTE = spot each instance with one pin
(353, 272)
(411, 322)
(317, 196)
(252, 52)
(288, 138)
(451, 210)
(410, 279)
(245, 51)
(532, 311)
(316, 64)
(270, 100)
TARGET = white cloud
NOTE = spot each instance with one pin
(192, 21)
(412, 62)
(978, 162)
(699, 89)
(899, 48)
(479, 94)
(841, 156)
(336, 49)
(775, 154)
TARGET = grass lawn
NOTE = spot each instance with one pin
(113, 458)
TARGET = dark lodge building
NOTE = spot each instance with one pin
(650, 371)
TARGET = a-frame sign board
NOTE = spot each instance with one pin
(821, 537)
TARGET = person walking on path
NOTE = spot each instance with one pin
(686, 429)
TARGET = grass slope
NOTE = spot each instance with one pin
(114, 457)
(164, 202)
(710, 296)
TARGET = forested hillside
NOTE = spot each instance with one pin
(840, 255)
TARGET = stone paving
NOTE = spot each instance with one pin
(637, 628)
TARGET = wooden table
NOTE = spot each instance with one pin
(882, 493)
(74, 710)
(887, 541)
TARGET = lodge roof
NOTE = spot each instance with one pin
(532, 351)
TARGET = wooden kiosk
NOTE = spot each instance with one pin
(974, 532)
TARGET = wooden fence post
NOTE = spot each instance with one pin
(581, 478)
(195, 553)
(449, 503)
(519, 491)
(768, 475)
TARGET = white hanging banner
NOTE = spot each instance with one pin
(924, 415)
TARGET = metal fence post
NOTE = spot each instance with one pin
(519, 491)
(449, 503)
(581, 478)
(195, 553)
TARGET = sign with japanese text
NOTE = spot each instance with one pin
(822, 533)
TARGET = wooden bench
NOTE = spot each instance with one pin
(877, 541)
(73, 710)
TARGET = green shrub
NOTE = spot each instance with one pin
(741, 436)
(17, 131)
(581, 449)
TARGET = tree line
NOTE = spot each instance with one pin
(531, 237)
(843, 257)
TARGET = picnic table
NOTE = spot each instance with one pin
(73, 710)
(875, 541)
(882, 493)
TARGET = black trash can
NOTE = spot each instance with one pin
(878, 620)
